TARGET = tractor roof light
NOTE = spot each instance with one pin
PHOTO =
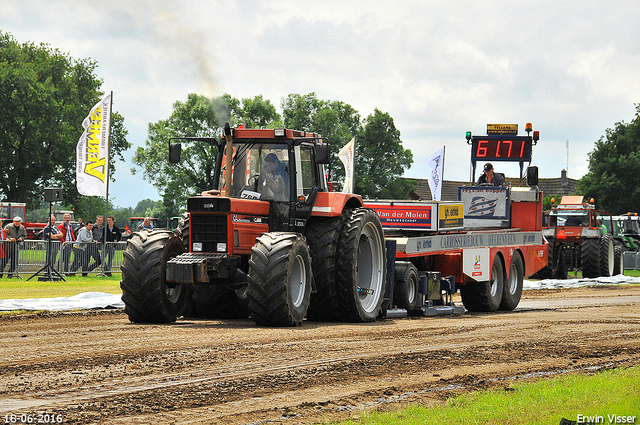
(536, 136)
(591, 201)
(279, 132)
(468, 136)
(553, 200)
(529, 127)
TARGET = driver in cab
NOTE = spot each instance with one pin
(491, 178)
(275, 178)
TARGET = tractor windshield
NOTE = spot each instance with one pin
(568, 218)
(630, 226)
(259, 171)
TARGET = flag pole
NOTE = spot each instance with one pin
(444, 151)
(105, 222)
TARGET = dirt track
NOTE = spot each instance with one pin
(97, 367)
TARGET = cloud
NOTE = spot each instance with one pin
(439, 68)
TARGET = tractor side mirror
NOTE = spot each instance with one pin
(175, 151)
(532, 176)
(323, 154)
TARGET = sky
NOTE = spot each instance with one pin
(438, 68)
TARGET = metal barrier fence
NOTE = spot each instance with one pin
(631, 260)
(18, 259)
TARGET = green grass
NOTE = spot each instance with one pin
(633, 273)
(539, 403)
(74, 285)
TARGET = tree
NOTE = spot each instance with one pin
(381, 159)
(253, 113)
(176, 182)
(613, 179)
(199, 116)
(336, 121)
(45, 96)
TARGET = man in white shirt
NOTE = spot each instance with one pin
(82, 248)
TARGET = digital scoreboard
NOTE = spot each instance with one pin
(502, 143)
(501, 148)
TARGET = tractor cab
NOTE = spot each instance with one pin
(572, 212)
(271, 185)
(284, 173)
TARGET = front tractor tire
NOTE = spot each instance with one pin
(279, 279)
(487, 295)
(146, 295)
(362, 266)
(607, 256)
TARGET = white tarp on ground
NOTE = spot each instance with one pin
(576, 283)
(84, 301)
(89, 300)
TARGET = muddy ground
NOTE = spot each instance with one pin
(97, 367)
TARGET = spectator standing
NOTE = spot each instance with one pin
(51, 232)
(79, 226)
(98, 238)
(15, 233)
(3, 252)
(82, 249)
(68, 236)
(113, 235)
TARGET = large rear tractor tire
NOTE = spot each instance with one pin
(512, 290)
(323, 236)
(590, 258)
(146, 295)
(487, 295)
(279, 279)
(607, 258)
(362, 266)
(406, 292)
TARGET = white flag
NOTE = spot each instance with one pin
(346, 156)
(436, 162)
(92, 151)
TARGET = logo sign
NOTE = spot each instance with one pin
(476, 263)
(511, 129)
(450, 216)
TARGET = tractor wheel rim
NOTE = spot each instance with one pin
(369, 267)
(298, 281)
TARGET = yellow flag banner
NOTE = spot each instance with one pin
(92, 151)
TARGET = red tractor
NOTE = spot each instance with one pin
(577, 241)
(9, 210)
(271, 240)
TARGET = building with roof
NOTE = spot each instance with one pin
(562, 186)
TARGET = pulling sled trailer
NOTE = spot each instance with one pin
(483, 245)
